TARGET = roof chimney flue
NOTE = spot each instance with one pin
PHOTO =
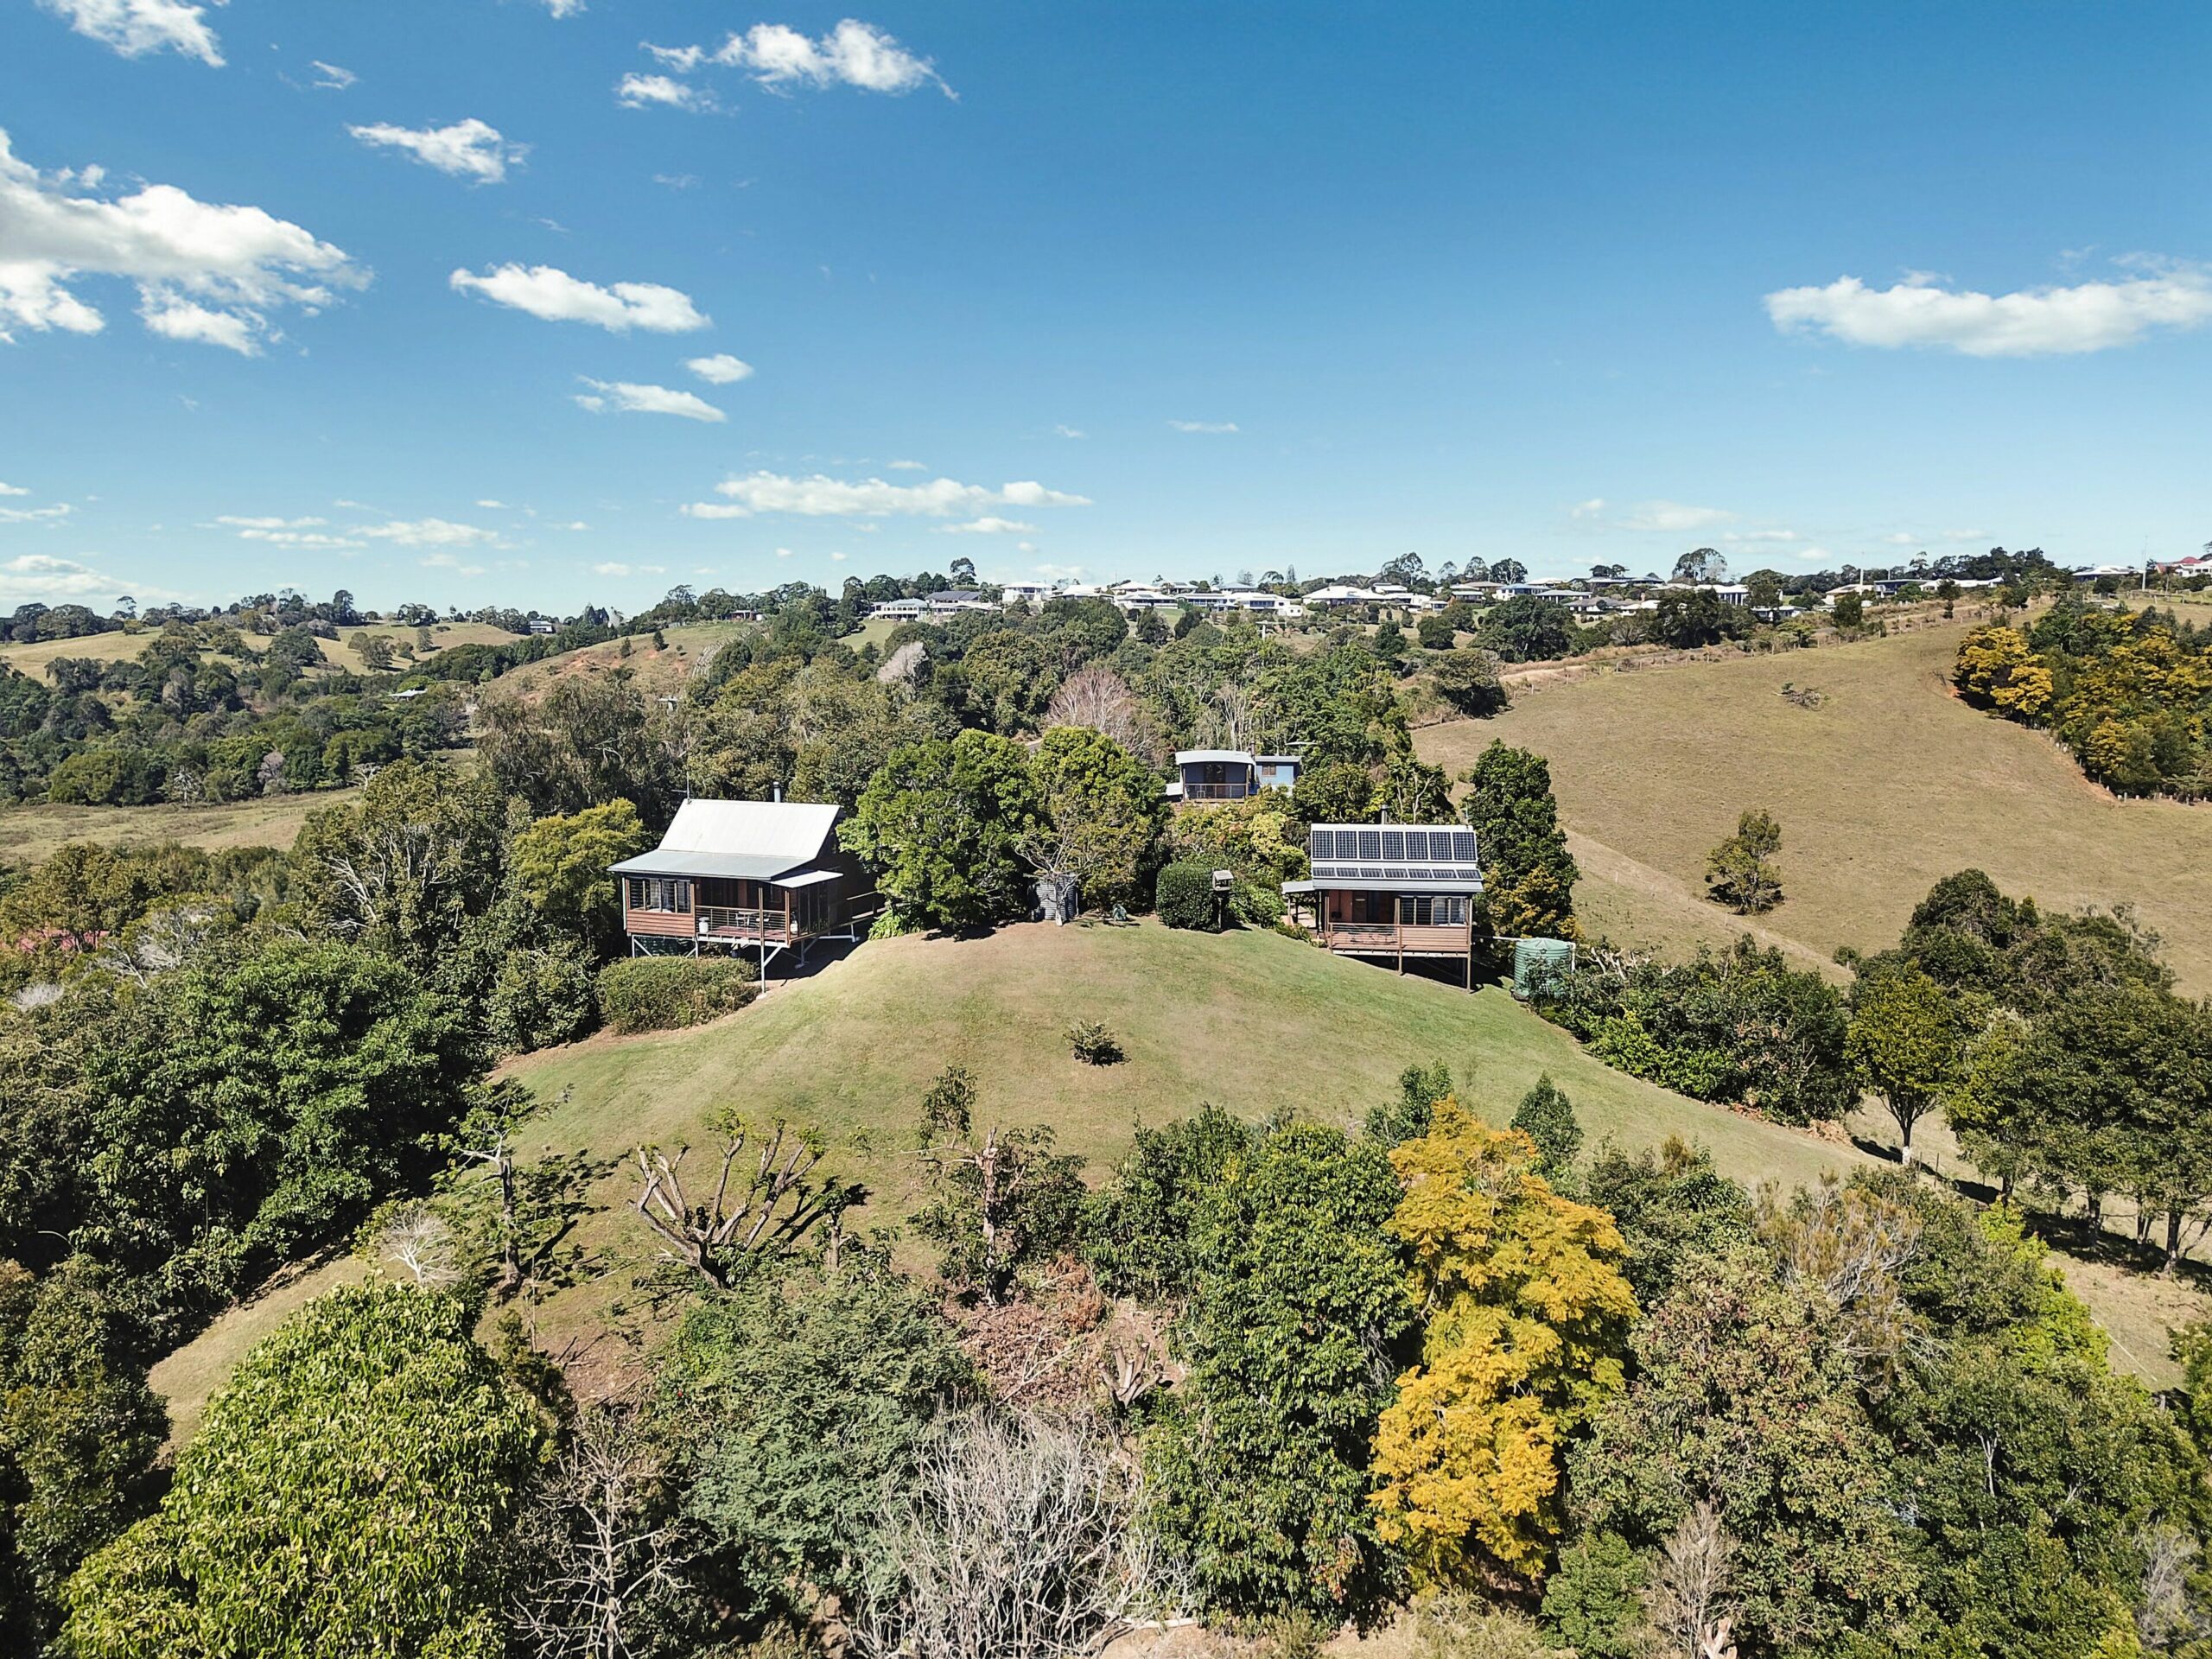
(778, 790)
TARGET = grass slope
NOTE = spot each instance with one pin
(656, 672)
(1253, 1021)
(1887, 785)
(30, 833)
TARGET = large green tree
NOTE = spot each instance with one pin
(1103, 813)
(403, 869)
(1296, 1327)
(941, 825)
(243, 1110)
(348, 1494)
(1529, 876)
(559, 864)
(798, 1405)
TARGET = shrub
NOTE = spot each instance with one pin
(1184, 897)
(664, 993)
(1094, 1045)
(540, 998)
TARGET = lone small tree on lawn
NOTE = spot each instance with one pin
(1908, 1037)
(1547, 1117)
(1738, 873)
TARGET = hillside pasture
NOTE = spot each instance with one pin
(1888, 784)
(30, 833)
(656, 671)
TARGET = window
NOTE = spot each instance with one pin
(660, 892)
(1440, 910)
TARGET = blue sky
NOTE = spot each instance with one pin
(405, 297)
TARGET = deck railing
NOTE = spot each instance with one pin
(1382, 938)
(727, 921)
(1218, 791)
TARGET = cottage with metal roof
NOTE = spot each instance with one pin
(744, 875)
(1392, 891)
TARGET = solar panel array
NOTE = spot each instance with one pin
(1393, 853)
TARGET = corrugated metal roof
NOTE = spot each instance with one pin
(1205, 756)
(684, 860)
(753, 840)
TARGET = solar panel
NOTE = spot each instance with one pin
(1370, 843)
(1394, 844)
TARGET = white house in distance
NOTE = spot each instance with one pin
(1230, 774)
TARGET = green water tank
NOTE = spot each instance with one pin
(1538, 962)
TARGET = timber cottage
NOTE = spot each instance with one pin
(765, 876)
(1391, 890)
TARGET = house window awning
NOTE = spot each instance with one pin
(805, 878)
(680, 861)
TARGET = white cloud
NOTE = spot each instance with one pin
(1667, 517)
(852, 55)
(39, 577)
(575, 523)
(334, 78)
(204, 271)
(429, 532)
(2031, 322)
(10, 489)
(495, 506)
(564, 7)
(1069, 432)
(135, 27)
(837, 558)
(637, 91)
(53, 515)
(174, 317)
(628, 397)
(909, 467)
(447, 562)
(821, 497)
(783, 552)
(303, 534)
(989, 525)
(1203, 426)
(1735, 536)
(544, 291)
(1590, 509)
(714, 510)
(721, 370)
(467, 149)
(610, 569)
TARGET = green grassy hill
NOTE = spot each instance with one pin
(1888, 784)
(1253, 1021)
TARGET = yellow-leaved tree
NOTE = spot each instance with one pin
(1526, 1316)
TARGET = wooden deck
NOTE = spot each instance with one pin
(1391, 939)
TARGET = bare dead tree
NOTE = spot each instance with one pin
(1020, 1537)
(1853, 1246)
(609, 1544)
(761, 1208)
(1097, 696)
(421, 1242)
(1687, 1600)
(2168, 1612)
(900, 668)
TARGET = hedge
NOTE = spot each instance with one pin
(662, 993)
(1185, 896)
